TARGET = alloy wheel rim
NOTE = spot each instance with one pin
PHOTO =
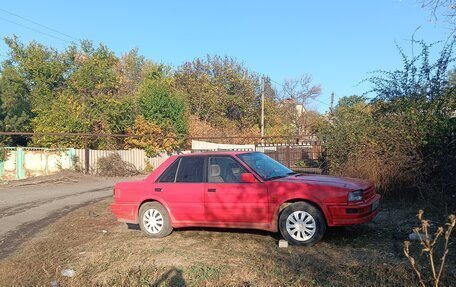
(301, 225)
(153, 221)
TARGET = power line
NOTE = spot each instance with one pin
(41, 25)
(35, 30)
(292, 95)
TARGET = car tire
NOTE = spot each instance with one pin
(154, 220)
(302, 224)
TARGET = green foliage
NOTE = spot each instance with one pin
(219, 90)
(83, 89)
(118, 114)
(3, 153)
(15, 102)
(93, 71)
(349, 131)
(130, 71)
(405, 135)
(15, 108)
(153, 138)
(160, 103)
(421, 98)
(66, 114)
(86, 88)
(41, 69)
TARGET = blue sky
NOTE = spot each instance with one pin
(337, 42)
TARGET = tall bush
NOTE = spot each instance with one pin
(401, 137)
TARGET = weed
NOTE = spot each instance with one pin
(429, 243)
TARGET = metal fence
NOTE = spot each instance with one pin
(301, 156)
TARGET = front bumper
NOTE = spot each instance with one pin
(351, 214)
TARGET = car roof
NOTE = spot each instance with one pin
(216, 153)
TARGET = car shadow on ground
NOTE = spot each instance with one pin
(277, 235)
(339, 236)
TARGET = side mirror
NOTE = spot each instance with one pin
(248, 178)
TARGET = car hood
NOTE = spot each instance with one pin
(342, 182)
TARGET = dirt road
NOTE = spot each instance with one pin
(28, 206)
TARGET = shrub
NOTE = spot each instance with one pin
(403, 139)
(113, 166)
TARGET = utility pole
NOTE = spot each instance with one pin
(332, 103)
(262, 106)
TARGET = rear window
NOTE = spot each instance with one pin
(190, 169)
(170, 173)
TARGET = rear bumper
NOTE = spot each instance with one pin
(125, 212)
(344, 215)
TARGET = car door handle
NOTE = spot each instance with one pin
(211, 190)
(158, 189)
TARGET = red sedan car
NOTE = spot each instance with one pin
(243, 190)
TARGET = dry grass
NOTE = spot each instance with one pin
(367, 255)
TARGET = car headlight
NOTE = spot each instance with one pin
(356, 195)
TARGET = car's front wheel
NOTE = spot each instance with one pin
(302, 224)
(154, 220)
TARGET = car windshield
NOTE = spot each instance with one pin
(265, 166)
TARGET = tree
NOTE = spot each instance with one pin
(15, 107)
(66, 114)
(349, 132)
(30, 75)
(41, 69)
(277, 122)
(162, 113)
(130, 72)
(436, 7)
(220, 91)
(297, 93)
(153, 138)
(88, 89)
(92, 72)
(159, 102)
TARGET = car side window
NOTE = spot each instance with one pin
(190, 169)
(170, 173)
(224, 169)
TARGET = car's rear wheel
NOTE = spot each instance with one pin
(154, 220)
(302, 224)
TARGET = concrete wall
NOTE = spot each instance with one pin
(29, 162)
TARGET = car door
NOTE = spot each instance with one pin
(227, 199)
(181, 186)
